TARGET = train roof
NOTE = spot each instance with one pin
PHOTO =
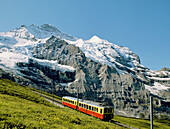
(96, 104)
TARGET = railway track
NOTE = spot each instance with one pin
(121, 124)
(59, 103)
(51, 100)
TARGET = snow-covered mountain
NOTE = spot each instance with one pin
(16, 45)
(43, 54)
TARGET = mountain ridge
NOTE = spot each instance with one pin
(49, 58)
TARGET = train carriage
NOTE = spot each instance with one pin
(91, 108)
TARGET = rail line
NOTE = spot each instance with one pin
(59, 103)
(121, 124)
(54, 101)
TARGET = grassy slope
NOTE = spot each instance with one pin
(133, 122)
(143, 123)
(21, 108)
(48, 94)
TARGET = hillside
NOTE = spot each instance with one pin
(22, 108)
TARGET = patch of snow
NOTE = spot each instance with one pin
(156, 88)
(158, 73)
(5, 40)
(54, 65)
(95, 39)
(66, 84)
(158, 78)
(9, 59)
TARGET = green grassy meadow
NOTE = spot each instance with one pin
(143, 123)
(21, 108)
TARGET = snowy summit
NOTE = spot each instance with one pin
(17, 46)
(95, 39)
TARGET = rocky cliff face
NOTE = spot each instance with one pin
(103, 71)
(98, 81)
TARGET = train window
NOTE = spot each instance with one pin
(89, 107)
(80, 104)
(92, 108)
(97, 109)
(101, 111)
(105, 110)
(84, 106)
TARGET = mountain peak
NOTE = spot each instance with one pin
(49, 27)
(45, 31)
(96, 39)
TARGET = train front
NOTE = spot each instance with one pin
(108, 113)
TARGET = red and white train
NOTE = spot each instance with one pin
(91, 108)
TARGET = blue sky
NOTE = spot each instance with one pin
(141, 25)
